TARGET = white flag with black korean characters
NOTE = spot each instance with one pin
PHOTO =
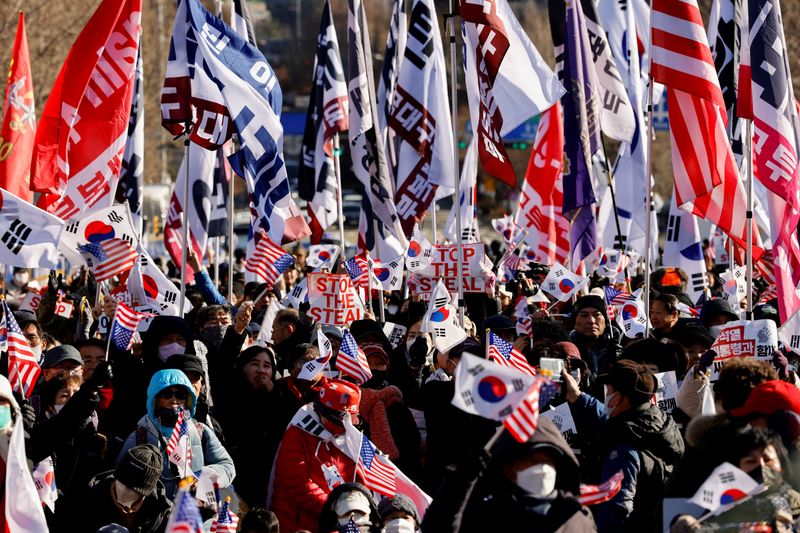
(29, 236)
(322, 255)
(152, 289)
(487, 389)
(789, 333)
(561, 283)
(683, 248)
(441, 320)
(725, 486)
(420, 251)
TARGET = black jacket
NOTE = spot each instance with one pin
(95, 508)
(477, 497)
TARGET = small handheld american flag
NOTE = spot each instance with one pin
(616, 297)
(378, 475)
(351, 360)
(226, 521)
(179, 449)
(108, 258)
(268, 261)
(185, 516)
(358, 269)
(126, 320)
(594, 494)
(524, 419)
(23, 365)
(504, 353)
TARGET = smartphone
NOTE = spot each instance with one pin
(552, 367)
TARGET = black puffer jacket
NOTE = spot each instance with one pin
(477, 497)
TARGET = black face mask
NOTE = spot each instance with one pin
(168, 416)
(377, 380)
(212, 336)
(418, 352)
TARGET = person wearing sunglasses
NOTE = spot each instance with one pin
(170, 393)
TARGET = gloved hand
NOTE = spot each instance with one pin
(53, 283)
(706, 360)
(781, 364)
(418, 352)
(28, 415)
(101, 377)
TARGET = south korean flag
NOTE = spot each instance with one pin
(441, 320)
(561, 283)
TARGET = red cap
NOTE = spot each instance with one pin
(770, 397)
(341, 396)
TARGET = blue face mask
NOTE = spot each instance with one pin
(5, 415)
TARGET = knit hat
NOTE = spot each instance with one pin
(186, 363)
(590, 300)
(769, 397)
(632, 380)
(400, 503)
(61, 354)
(140, 469)
(714, 308)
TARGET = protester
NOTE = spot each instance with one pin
(350, 503)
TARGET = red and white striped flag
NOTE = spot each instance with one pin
(504, 353)
(126, 320)
(377, 473)
(109, 258)
(23, 365)
(179, 447)
(351, 360)
(268, 261)
(706, 176)
(594, 494)
(523, 421)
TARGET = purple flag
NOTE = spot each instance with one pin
(581, 122)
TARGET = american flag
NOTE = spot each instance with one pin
(377, 474)
(594, 494)
(226, 521)
(504, 353)
(126, 320)
(524, 419)
(524, 325)
(108, 258)
(23, 365)
(179, 449)
(768, 294)
(766, 267)
(358, 270)
(616, 297)
(706, 176)
(351, 527)
(351, 360)
(185, 516)
(268, 260)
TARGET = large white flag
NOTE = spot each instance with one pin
(683, 248)
(487, 389)
(466, 200)
(441, 320)
(152, 289)
(420, 131)
(507, 80)
(23, 510)
(29, 236)
(366, 145)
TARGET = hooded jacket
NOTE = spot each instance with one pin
(206, 448)
(329, 521)
(645, 444)
(477, 497)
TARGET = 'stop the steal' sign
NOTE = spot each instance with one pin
(444, 265)
(333, 299)
(744, 338)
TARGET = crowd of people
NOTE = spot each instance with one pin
(271, 439)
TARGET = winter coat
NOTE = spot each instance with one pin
(644, 443)
(477, 497)
(300, 485)
(95, 508)
(206, 448)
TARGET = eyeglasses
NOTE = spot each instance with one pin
(178, 394)
(33, 338)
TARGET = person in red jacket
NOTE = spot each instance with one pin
(310, 461)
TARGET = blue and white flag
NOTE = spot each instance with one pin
(131, 185)
(232, 88)
(392, 59)
(581, 122)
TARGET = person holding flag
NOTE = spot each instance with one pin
(170, 393)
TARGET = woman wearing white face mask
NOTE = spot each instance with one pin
(349, 502)
(522, 485)
(399, 514)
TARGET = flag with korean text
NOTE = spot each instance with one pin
(131, 179)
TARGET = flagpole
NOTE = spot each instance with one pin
(748, 140)
(231, 236)
(451, 20)
(371, 267)
(185, 216)
(338, 171)
(216, 261)
(433, 217)
(110, 329)
(614, 207)
(648, 198)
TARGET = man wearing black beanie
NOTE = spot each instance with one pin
(594, 334)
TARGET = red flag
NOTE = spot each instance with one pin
(81, 136)
(706, 177)
(19, 120)
(542, 195)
